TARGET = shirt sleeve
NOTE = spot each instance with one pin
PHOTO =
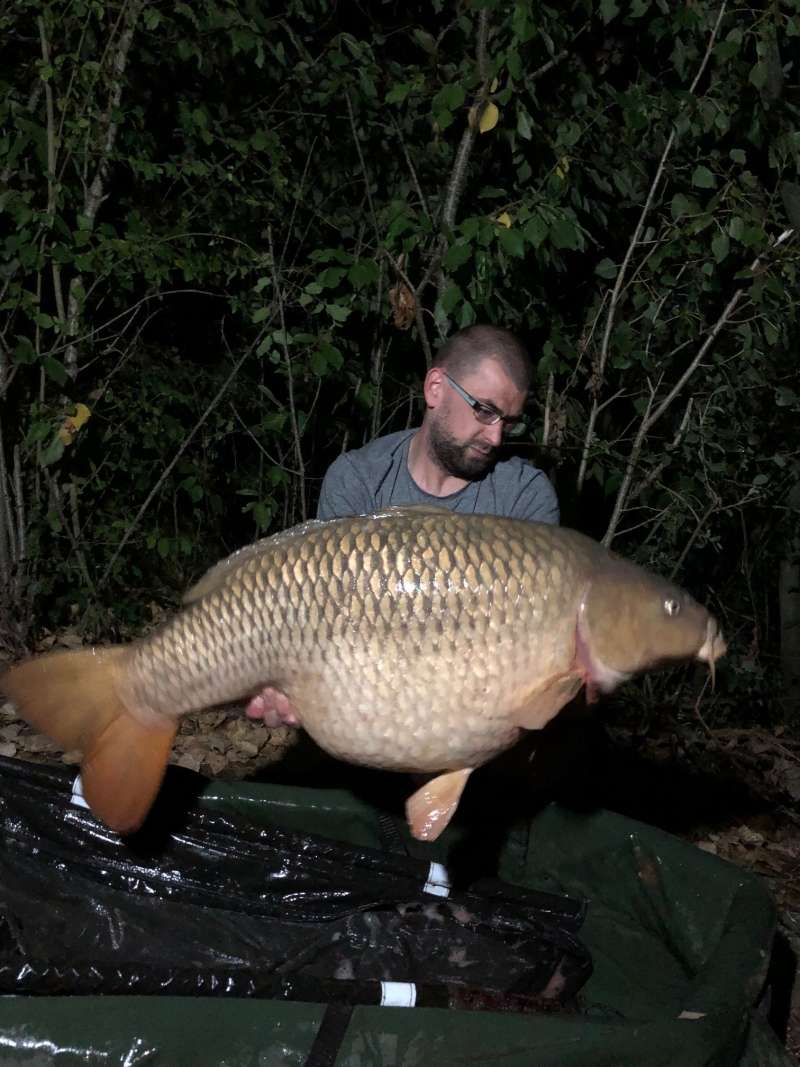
(536, 500)
(343, 492)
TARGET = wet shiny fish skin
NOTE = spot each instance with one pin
(405, 641)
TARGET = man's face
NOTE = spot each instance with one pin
(458, 443)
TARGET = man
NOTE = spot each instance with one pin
(474, 395)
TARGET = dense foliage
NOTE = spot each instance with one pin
(231, 242)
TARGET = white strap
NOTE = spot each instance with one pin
(438, 884)
(398, 994)
(78, 798)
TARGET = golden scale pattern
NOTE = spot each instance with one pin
(403, 643)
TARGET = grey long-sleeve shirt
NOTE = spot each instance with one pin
(376, 476)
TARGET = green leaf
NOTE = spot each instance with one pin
(738, 156)
(606, 268)
(511, 240)
(38, 431)
(362, 273)
(53, 452)
(55, 370)
(568, 133)
(398, 94)
(564, 233)
(450, 299)
(751, 234)
(536, 231)
(163, 547)
(24, 352)
(726, 49)
(424, 40)
(449, 98)
(263, 511)
(608, 10)
(456, 256)
(758, 75)
(680, 206)
(514, 64)
(337, 313)
(703, 178)
(45, 321)
(736, 227)
(333, 357)
(720, 246)
(319, 364)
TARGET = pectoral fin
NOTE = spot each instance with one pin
(432, 807)
(544, 704)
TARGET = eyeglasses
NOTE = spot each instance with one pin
(512, 424)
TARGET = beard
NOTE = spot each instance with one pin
(456, 458)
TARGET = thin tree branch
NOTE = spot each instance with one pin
(712, 507)
(548, 66)
(373, 216)
(652, 416)
(72, 531)
(290, 383)
(468, 137)
(548, 405)
(623, 270)
(661, 467)
(94, 194)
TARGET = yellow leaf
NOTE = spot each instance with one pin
(560, 173)
(489, 118)
(565, 164)
(82, 413)
(65, 436)
(494, 86)
(504, 219)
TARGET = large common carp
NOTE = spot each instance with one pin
(415, 639)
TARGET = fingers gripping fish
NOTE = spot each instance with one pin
(413, 640)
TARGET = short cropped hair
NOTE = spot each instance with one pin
(465, 351)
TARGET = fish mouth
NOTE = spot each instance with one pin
(713, 647)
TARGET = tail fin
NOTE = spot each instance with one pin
(72, 697)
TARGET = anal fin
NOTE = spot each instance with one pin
(432, 807)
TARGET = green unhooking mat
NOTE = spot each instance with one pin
(679, 940)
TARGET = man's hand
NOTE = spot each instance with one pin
(272, 707)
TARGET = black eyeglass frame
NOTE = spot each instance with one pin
(512, 424)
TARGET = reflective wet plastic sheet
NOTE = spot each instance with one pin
(224, 907)
(672, 931)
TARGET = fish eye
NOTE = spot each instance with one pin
(672, 607)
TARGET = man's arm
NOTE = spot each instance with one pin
(344, 491)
